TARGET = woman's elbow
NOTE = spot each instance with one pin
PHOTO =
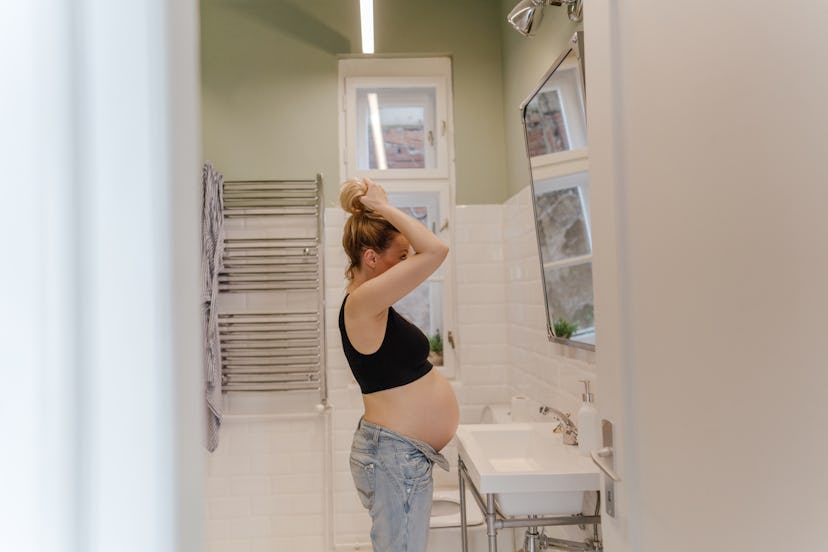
(443, 251)
(437, 252)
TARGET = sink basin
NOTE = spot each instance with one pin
(527, 467)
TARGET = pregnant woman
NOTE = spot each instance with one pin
(411, 412)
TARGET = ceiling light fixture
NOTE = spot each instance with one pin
(527, 14)
(366, 19)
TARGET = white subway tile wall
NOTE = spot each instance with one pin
(481, 316)
(265, 482)
(264, 485)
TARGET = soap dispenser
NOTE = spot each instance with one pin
(588, 434)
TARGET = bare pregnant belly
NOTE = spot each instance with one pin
(425, 410)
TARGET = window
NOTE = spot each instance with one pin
(395, 128)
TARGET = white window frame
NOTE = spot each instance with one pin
(401, 72)
(562, 163)
(438, 151)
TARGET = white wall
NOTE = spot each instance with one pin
(101, 362)
(708, 186)
(265, 485)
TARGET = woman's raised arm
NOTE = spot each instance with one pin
(378, 293)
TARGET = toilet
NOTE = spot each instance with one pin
(496, 414)
(445, 509)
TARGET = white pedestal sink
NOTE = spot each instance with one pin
(527, 467)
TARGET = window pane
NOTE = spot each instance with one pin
(403, 137)
(424, 308)
(423, 206)
(562, 227)
(569, 293)
(396, 128)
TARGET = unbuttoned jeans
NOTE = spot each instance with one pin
(392, 474)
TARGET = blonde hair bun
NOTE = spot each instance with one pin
(350, 193)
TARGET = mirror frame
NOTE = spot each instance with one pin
(576, 47)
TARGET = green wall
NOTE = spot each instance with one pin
(269, 96)
(269, 75)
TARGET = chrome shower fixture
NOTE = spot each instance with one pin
(527, 14)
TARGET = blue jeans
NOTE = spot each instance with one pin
(392, 474)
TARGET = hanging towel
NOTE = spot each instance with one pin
(212, 249)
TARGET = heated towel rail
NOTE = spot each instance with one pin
(272, 332)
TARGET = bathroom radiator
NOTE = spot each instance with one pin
(271, 288)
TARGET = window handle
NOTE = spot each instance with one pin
(451, 339)
(430, 138)
(443, 128)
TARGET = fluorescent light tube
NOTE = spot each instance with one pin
(366, 18)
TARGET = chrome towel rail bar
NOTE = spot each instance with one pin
(271, 198)
(267, 264)
(271, 351)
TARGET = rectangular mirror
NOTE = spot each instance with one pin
(554, 124)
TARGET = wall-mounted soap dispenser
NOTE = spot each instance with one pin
(589, 436)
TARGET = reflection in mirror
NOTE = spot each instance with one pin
(562, 223)
(554, 123)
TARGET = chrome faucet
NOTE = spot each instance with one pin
(570, 430)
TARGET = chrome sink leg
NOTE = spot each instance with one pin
(463, 524)
(491, 530)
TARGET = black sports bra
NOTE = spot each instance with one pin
(402, 356)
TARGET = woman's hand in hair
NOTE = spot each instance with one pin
(375, 197)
